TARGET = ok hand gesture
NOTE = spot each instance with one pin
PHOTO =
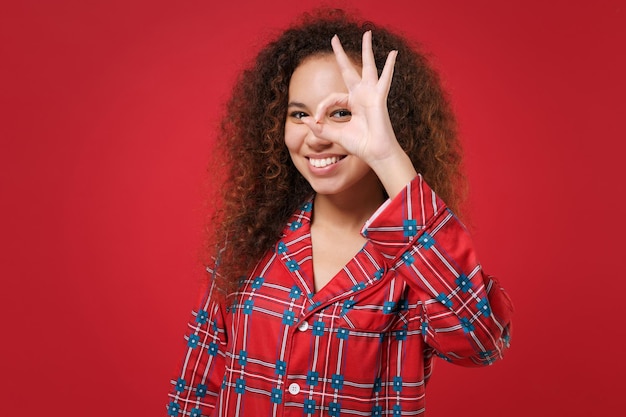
(368, 134)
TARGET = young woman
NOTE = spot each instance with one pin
(342, 271)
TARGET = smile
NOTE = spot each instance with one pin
(324, 162)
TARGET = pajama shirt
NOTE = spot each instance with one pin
(364, 344)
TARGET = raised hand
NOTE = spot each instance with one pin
(368, 134)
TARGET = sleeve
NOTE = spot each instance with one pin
(197, 385)
(465, 314)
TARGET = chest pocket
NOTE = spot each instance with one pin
(381, 310)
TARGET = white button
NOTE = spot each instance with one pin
(303, 326)
(294, 388)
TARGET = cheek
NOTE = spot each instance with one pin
(293, 137)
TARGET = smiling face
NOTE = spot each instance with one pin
(326, 166)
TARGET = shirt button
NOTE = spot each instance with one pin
(294, 388)
(303, 327)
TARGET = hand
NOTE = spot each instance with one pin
(369, 134)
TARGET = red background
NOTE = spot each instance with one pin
(106, 121)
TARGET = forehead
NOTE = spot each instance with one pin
(315, 78)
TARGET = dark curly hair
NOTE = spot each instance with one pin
(260, 187)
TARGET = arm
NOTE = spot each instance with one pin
(466, 316)
(197, 385)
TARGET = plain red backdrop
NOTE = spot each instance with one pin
(106, 120)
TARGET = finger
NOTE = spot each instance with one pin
(321, 130)
(319, 124)
(350, 75)
(384, 84)
(333, 100)
(369, 72)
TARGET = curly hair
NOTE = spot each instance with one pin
(261, 188)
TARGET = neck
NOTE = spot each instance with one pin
(347, 211)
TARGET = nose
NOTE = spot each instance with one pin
(315, 142)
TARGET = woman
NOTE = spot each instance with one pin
(342, 272)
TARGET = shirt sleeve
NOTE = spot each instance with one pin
(196, 387)
(465, 314)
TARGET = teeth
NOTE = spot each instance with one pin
(321, 163)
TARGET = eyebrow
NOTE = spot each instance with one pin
(296, 104)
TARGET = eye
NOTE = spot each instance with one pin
(342, 115)
(298, 115)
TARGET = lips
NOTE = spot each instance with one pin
(324, 162)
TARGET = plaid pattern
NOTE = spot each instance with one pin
(364, 344)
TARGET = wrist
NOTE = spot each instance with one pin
(394, 171)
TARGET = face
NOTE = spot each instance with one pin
(327, 166)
